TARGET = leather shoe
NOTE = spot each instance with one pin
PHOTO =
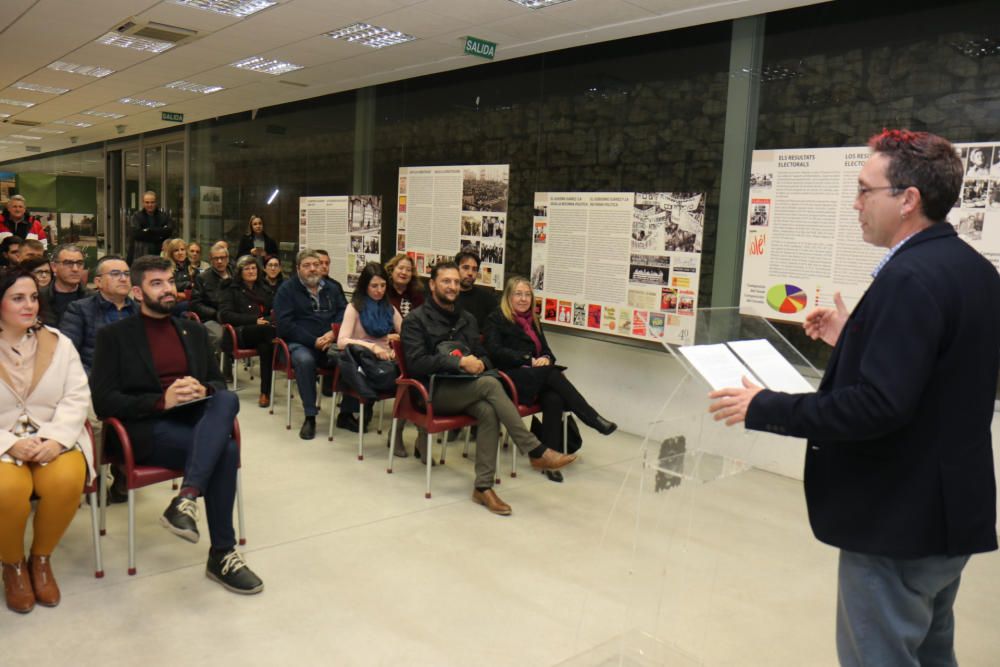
(552, 460)
(43, 581)
(17, 587)
(348, 422)
(491, 501)
(604, 427)
(308, 430)
(264, 401)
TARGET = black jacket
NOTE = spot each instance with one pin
(56, 308)
(507, 344)
(246, 245)
(206, 295)
(148, 233)
(899, 461)
(124, 383)
(429, 325)
(241, 306)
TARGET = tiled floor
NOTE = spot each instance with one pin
(360, 569)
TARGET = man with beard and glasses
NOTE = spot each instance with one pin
(306, 307)
(157, 375)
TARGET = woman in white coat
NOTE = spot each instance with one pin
(44, 448)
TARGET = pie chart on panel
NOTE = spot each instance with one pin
(787, 299)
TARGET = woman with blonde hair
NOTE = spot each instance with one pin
(176, 251)
(517, 346)
(44, 446)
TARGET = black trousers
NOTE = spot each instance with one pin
(260, 336)
(558, 395)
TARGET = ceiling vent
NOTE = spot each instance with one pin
(158, 31)
(28, 123)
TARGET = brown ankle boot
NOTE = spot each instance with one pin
(17, 586)
(43, 581)
(398, 449)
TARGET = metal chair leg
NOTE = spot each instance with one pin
(361, 432)
(270, 410)
(381, 414)
(333, 411)
(94, 521)
(102, 495)
(565, 425)
(131, 531)
(241, 522)
(288, 405)
(429, 461)
(513, 458)
(392, 439)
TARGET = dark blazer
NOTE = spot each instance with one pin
(899, 460)
(124, 383)
(206, 295)
(426, 327)
(246, 245)
(512, 350)
(241, 306)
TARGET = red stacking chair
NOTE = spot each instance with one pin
(137, 476)
(281, 362)
(239, 353)
(425, 418)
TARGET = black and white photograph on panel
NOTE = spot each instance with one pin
(357, 243)
(968, 224)
(485, 188)
(491, 251)
(649, 218)
(472, 225)
(469, 245)
(977, 161)
(994, 196)
(685, 225)
(649, 270)
(364, 213)
(493, 225)
(761, 180)
(538, 277)
(974, 193)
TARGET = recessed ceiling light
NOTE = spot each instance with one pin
(5, 141)
(537, 4)
(194, 87)
(73, 123)
(137, 43)
(238, 8)
(16, 103)
(51, 90)
(103, 114)
(85, 70)
(4, 115)
(266, 65)
(24, 136)
(371, 35)
(138, 101)
(42, 130)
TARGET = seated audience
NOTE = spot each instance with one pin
(273, 276)
(31, 248)
(246, 305)
(10, 249)
(194, 257)
(516, 344)
(206, 295)
(370, 321)
(442, 340)
(176, 251)
(306, 307)
(256, 242)
(157, 375)
(44, 447)
(84, 318)
(478, 300)
(406, 290)
(41, 269)
(67, 285)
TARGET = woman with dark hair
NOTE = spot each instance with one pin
(370, 321)
(246, 305)
(255, 242)
(40, 268)
(273, 277)
(405, 291)
(517, 346)
(44, 446)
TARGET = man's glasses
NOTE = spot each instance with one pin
(41, 273)
(71, 263)
(116, 274)
(863, 190)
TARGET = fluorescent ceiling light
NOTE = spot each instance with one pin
(273, 195)
(266, 65)
(371, 35)
(537, 4)
(237, 8)
(138, 101)
(4, 141)
(137, 43)
(85, 70)
(37, 88)
(73, 123)
(42, 130)
(103, 114)
(4, 115)
(25, 136)
(16, 103)
(194, 87)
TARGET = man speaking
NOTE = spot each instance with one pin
(899, 465)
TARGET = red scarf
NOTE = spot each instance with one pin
(527, 322)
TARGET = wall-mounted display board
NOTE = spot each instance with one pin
(442, 210)
(803, 238)
(622, 263)
(347, 227)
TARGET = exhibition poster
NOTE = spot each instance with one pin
(803, 238)
(347, 227)
(621, 263)
(442, 210)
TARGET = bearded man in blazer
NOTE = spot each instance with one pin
(157, 374)
(899, 463)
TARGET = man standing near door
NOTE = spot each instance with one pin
(149, 227)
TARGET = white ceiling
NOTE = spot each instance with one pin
(34, 33)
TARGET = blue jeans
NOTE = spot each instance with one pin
(305, 360)
(197, 440)
(897, 612)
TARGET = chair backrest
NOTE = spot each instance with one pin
(397, 348)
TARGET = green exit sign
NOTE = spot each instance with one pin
(172, 116)
(480, 48)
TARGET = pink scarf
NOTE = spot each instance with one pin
(527, 322)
